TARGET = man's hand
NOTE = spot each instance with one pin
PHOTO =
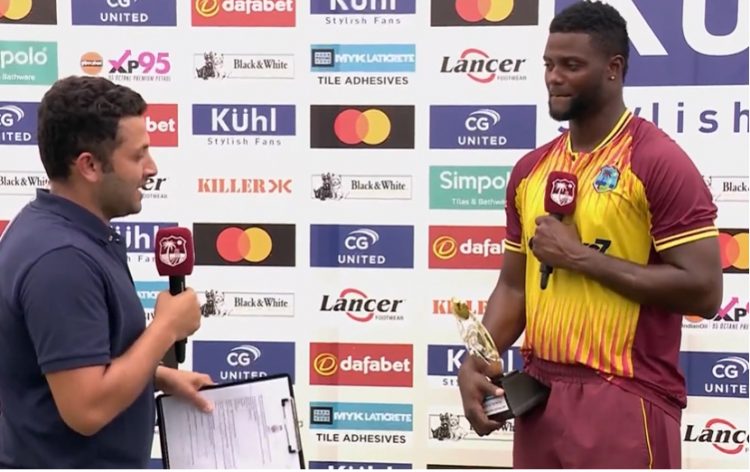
(474, 387)
(555, 243)
(184, 384)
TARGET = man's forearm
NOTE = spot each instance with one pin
(504, 316)
(660, 285)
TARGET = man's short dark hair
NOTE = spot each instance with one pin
(603, 22)
(81, 114)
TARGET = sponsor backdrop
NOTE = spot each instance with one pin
(342, 165)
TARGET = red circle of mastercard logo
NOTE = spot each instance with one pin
(251, 244)
(478, 10)
(734, 250)
(354, 126)
(14, 9)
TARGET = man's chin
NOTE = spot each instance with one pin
(559, 115)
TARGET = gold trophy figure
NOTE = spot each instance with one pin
(522, 392)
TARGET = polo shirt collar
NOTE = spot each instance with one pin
(73, 212)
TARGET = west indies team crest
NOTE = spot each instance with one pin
(607, 179)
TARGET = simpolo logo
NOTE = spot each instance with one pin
(485, 12)
(245, 244)
(468, 187)
(382, 365)
(28, 62)
(243, 13)
(362, 126)
(32, 12)
(466, 247)
(734, 250)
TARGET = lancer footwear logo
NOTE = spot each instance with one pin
(676, 42)
(484, 12)
(484, 68)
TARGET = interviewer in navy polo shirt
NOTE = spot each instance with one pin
(78, 367)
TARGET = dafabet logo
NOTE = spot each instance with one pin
(30, 12)
(380, 365)
(247, 244)
(484, 12)
(362, 126)
(243, 12)
(466, 247)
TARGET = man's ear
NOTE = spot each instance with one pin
(616, 66)
(88, 167)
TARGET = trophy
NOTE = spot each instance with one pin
(522, 392)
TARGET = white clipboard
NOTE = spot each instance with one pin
(254, 425)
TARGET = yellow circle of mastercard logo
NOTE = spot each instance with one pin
(490, 10)
(444, 247)
(325, 364)
(370, 126)
(207, 8)
(14, 9)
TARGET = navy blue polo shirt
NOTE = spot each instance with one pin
(67, 300)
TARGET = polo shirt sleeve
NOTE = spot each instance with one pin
(63, 298)
(680, 205)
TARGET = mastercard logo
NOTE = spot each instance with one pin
(354, 126)
(734, 250)
(444, 247)
(207, 8)
(326, 364)
(91, 62)
(489, 10)
(15, 9)
(252, 244)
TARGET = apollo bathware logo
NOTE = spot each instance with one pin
(675, 42)
(28, 62)
(124, 12)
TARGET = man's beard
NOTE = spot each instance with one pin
(579, 106)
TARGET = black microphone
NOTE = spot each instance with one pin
(559, 200)
(175, 258)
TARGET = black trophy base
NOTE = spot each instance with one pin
(522, 394)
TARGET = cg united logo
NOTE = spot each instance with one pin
(485, 12)
(37, 12)
(334, 126)
(734, 250)
(244, 244)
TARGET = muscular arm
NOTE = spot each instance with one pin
(690, 281)
(505, 314)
